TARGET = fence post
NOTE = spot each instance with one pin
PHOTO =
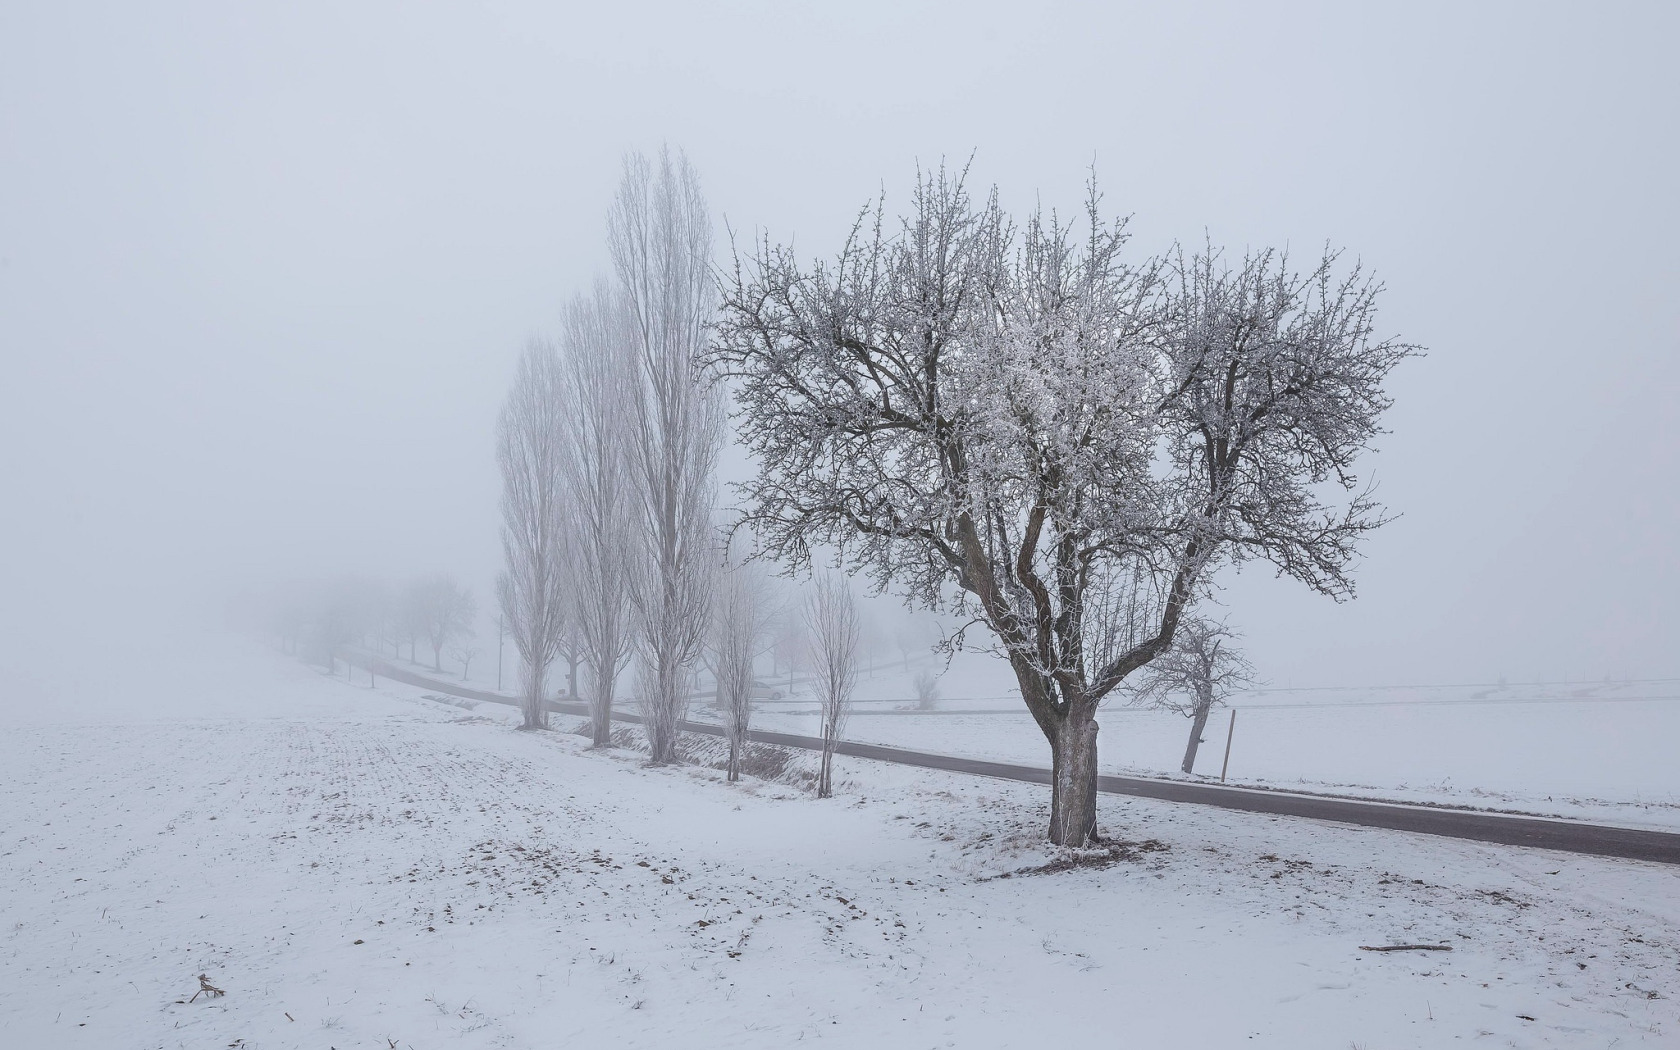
(1229, 733)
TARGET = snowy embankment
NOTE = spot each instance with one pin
(1586, 751)
(367, 868)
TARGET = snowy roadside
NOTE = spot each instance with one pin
(1445, 760)
(413, 874)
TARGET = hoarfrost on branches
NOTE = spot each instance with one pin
(1065, 445)
(598, 374)
(1200, 669)
(836, 634)
(532, 589)
(742, 613)
(660, 237)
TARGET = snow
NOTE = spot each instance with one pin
(367, 868)
(1596, 751)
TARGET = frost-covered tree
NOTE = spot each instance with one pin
(570, 653)
(835, 632)
(533, 588)
(1064, 444)
(465, 652)
(341, 617)
(926, 684)
(914, 635)
(599, 375)
(660, 238)
(443, 610)
(1201, 668)
(787, 644)
(742, 612)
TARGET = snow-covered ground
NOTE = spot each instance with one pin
(366, 868)
(1595, 751)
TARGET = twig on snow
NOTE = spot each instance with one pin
(206, 989)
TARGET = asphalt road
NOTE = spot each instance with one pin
(1568, 836)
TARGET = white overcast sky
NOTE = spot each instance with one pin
(264, 269)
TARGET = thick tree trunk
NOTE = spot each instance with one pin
(734, 758)
(600, 713)
(1196, 727)
(1073, 795)
(571, 678)
(535, 711)
(662, 710)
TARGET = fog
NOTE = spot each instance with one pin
(264, 274)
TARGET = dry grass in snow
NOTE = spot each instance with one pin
(404, 874)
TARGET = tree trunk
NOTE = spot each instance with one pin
(662, 709)
(734, 759)
(1073, 795)
(600, 713)
(825, 774)
(535, 711)
(571, 677)
(1203, 706)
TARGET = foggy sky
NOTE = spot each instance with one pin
(263, 274)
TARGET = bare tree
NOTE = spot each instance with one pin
(1202, 668)
(660, 237)
(599, 375)
(532, 588)
(408, 621)
(835, 632)
(570, 650)
(741, 616)
(927, 690)
(916, 634)
(465, 652)
(787, 645)
(337, 623)
(1069, 442)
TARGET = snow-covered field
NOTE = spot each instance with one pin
(1594, 751)
(366, 868)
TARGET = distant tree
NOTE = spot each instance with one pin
(532, 589)
(342, 614)
(447, 612)
(409, 618)
(1065, 443)
(741, 615)
(927, 690)
(465, 652)
(835, 631)
(290, 614)
(570, 650)
(1201, 669)
(788, 648)
(915, 634)
(659, 233)
(335, 626)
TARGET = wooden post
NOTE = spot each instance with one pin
(1229, 733)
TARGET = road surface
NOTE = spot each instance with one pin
(1538, 832)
